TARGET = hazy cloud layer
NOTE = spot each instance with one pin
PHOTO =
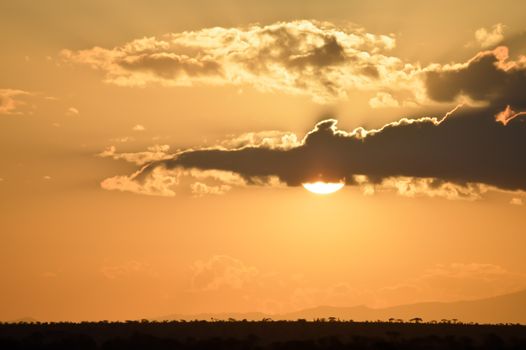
(127, 268)
(317, 59)
(224, 276)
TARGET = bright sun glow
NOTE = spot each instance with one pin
(320, 187)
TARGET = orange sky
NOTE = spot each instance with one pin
(92, 91)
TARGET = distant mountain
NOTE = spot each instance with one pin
(509, 308)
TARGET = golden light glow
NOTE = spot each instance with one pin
(320, 187)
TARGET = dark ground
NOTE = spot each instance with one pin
(261, 335)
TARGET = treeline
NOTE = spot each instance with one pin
(139, 341)
(261, 335)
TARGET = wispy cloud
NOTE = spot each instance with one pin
(11, 100)
(152, 153)
(138, 127)
(222, 271)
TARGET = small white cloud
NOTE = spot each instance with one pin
(47, 177)
(72, 111)
(11, 100)
(122, 139)
(383, 100)
(517, 201)
(138, 127)
(490, 37)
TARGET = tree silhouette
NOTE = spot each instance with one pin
(416, 320)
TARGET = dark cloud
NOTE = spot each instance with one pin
(171, 65)
(330, 53)
(488, 77)
(469, 147)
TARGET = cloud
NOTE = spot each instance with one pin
(461, 155)
(226, 277)
(138, 127)
(449, 282)
(471, 280)
(11, 100)
(123, 139)
(419, 187)
(488, 38)
(468, 148)
(316, 59)
(153, 153)
(507, 115)
(272, 139)
(158, 183)
(200, 189)
(72, 111)
(489, 77)
(468, 151)
(383, 100)
(163, 182)
(127, 268)
(222, 271)
(516, 201)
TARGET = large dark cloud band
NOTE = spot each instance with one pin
(470, 147)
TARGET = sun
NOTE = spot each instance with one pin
(320, 187)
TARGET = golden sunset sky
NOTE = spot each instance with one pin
(153, 154)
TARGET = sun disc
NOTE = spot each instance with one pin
(320, 187)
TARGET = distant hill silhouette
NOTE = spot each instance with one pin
(508, 308)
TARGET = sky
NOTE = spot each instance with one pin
(154, 152)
